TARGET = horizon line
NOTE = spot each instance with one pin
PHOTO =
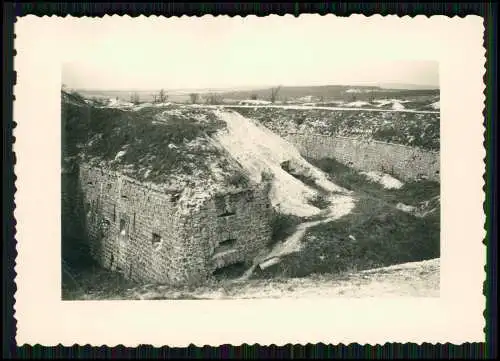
(262, 87)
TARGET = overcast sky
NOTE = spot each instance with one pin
(207, 52)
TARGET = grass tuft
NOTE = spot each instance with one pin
(282, 226)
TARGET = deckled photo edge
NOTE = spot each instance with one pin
(29, 191)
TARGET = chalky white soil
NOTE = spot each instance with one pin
(436, 105)
(397, 106)
(260, 151)
(357, 104)
(386, 180)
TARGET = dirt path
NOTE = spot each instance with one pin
(260, 150)
(339, 206)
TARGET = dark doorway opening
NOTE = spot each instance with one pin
(156, 239)
(230, 271)
(226, 214)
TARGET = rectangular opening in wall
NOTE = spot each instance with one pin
(123, 227)
(155, 239)
(226, 214)
(225, 245)
(114, 213)
(105, 225)
(133, 225)
(92, 211)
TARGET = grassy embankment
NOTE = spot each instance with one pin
(374, 234)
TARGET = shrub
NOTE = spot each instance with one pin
(267, 176)
(239, 180)
(320, 201)
(194, 97)
(307, 180)
(283, 226)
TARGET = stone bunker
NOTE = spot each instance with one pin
(150, 236)
(161, 201)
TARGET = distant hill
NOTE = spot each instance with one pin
(330, 92)
(290, 93)
(325, 91)
(408, 86)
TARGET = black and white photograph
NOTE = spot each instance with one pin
(249, 180)
(237, 168)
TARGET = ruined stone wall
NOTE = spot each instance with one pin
(139, 231)
(404, 162)
(231, 228)
(73, 233)
(122, 218)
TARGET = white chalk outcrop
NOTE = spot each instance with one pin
(260, 151)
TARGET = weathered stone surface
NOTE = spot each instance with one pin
(404, 162)
(141, 232)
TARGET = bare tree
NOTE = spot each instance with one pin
(213, 99)
(155, 99)
(134, 98)
(274, 93)
(162, 96)
(194, 97)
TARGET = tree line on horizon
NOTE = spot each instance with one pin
(282, 93)
(196, 98)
